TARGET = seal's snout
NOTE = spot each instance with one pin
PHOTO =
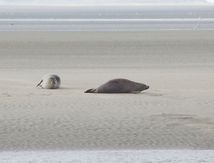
(147, 87)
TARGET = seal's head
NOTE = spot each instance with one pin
(145, 87)
(140, 87)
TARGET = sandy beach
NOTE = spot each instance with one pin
(106, 156)
(177, 112)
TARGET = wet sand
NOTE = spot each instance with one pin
(175, 113)
(113, 156)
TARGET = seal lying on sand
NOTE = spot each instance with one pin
(50, 82)
(119, 86)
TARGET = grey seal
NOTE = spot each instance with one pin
(119, 86)
(50, 81)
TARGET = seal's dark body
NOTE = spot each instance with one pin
(119, 86)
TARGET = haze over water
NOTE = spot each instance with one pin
(106, 18)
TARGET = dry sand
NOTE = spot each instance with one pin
(177, 112)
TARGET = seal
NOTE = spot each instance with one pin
(50, 81)
(119, 86)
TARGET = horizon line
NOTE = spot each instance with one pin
(113, 20)
(112, 4)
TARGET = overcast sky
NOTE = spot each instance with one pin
(100, 2)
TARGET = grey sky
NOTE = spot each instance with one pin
(99, 2)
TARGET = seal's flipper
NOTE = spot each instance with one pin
(39, 83)
(90, 91)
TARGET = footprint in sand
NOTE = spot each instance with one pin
(6, 94)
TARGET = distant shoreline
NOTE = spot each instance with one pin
(106, 24)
